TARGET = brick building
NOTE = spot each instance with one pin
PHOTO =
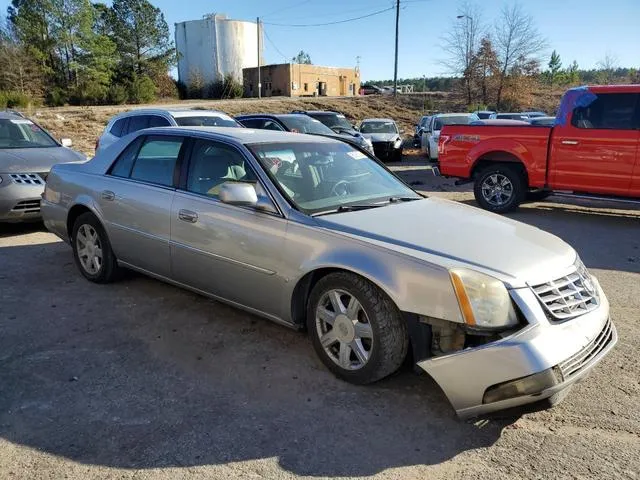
(301, 80)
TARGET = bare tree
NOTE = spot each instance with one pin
(461, 43)
(517, 39)
(609, 64)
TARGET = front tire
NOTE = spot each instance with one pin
(356, 330)
(500, 188)
(92, 251)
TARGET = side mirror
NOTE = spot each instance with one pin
(355, 127)
(66, 142)
(244, 194)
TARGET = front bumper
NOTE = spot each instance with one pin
(571, 349)
(386, 150)
(19, 203)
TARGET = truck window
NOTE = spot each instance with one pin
(610, 111)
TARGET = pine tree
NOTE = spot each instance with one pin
(555, 66)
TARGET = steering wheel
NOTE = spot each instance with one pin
(341, 188)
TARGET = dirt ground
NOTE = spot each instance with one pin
(139, 379)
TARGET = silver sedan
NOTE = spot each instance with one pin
(312, 233)
(27, 153)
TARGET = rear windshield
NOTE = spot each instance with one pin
(23, 133)
(305, 124)
(332, 120)
(206, 121)
(453, 120)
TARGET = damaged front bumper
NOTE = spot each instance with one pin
(534, 363)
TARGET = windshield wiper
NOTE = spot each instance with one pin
(349, 208)
(403, 199)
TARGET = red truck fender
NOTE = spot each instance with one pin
(498, 150)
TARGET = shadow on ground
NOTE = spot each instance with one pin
(139, 374)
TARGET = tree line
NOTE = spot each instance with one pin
(79, 52)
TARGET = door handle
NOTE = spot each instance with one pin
(188, 216)
(570, 142)
(108, 195)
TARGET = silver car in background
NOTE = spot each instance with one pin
(312, 233)
(27, 153)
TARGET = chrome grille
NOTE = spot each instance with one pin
(576, 363)
(27, 178)
(27, 206)
(569, 296)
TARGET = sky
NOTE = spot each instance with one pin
(581, 30)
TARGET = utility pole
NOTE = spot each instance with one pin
(259, 85)
(395, 69)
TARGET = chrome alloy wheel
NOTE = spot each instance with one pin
(89, 249)
(344, 329)
(497, 189)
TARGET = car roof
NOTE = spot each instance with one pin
(453, 114)
(273, 115)
(612, 88)
(378, 120)
(174, 112)
(8, 115)
(247, 135)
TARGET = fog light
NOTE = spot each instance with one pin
(532, 384)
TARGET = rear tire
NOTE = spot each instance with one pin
(366, 340)
(500, 188)
(92, 251)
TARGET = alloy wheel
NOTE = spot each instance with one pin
(497, 189)
(344, 330)
(89, 249)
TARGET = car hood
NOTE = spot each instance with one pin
(381, 137)
(451, 234)
(31, 160)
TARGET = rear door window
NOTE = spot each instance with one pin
(156, 161)
(609, 111)
(119, 128)
(158, 121)
(257, 123)
(122, 166)
(138, 122)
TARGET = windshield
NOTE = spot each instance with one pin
(305, 124)
(483, 115)
(440, 122)
(378, 127)
(206, 121)
(333, 120)
(23, 133)
(321, 177)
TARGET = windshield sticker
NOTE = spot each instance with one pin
(22, 122)
(356, 155)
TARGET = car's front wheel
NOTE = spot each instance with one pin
(356, 330)
(92, 251)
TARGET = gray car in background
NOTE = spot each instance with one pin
(313, 233)
(27, 153)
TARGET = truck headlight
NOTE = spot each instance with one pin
(484, 300)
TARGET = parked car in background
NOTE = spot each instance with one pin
(421, 127)
(535, 114)
(370, 90)
(300, 123)
(27, 153)
(591, 151)
(310, 232)
(543, 121)
(430, 137)
(139, 119)
(509, 116)
(484, 114)
(385, 136)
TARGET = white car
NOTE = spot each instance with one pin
(134, 120)
(431, 136)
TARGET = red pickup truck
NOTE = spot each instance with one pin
(592, 150)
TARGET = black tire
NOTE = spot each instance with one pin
(390, 338)
(537, 195)
(109, 270)
(397, 156)
(516, 178)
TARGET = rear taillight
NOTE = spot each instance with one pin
(442, 143)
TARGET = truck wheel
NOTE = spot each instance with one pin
(500, 188)
(356, 330)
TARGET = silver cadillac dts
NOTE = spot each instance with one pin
(312, 233)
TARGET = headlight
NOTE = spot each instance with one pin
(484, 300)
(397, 143)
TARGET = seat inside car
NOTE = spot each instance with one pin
(212, 167)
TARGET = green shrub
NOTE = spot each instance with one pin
(56, 97)
(12, 99)
(227, 87)
(142, 90)
(117, 94)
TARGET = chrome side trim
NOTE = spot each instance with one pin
(254, 311)
(138, 232)
(224, 259)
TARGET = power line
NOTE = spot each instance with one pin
(357, 10)
(329, 23)
(274, 45)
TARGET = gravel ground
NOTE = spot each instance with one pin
(142, 380)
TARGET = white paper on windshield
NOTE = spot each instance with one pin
(22, 122)
(356, 155)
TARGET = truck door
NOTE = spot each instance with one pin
(634, 191)
(596, 151)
